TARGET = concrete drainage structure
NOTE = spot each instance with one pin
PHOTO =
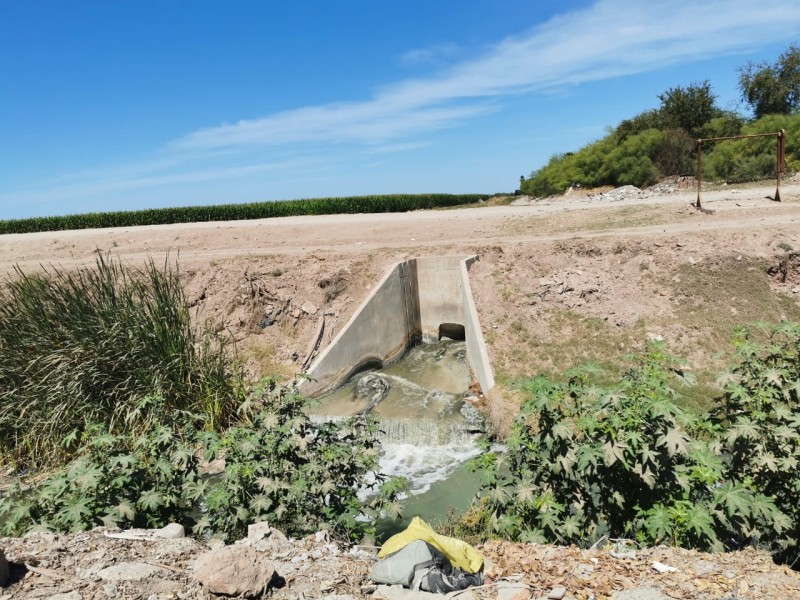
(421, 299)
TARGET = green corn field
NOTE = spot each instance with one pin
(235, 212)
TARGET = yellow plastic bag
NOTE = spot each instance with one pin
(461, 554)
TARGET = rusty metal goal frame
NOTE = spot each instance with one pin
(780, 159)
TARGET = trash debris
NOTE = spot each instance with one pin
(462, 555)
(168, 532)
(662, 568)
(420, 559)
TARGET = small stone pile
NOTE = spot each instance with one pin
(628, 192)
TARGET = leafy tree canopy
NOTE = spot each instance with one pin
(772, 88)
(688, 108)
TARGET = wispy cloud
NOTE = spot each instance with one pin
(434, 55)
(111, 184)
(609, 39)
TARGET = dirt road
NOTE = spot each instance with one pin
(424, 231)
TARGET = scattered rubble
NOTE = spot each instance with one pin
(627, 192)
(100, 564)
(598, 574)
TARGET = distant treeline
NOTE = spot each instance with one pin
(234, 212)
(662, 142)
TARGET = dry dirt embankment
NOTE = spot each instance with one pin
(559, 281)
(609, 270)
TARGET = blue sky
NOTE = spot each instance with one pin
(118, 105)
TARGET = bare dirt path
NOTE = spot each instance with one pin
(430, 231)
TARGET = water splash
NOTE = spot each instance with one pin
(428, 430)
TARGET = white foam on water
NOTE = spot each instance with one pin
(423, 466)
(424, 436)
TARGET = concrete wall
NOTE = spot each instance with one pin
(477, 354)
(380, 331)
(440, 293)
(408, 304)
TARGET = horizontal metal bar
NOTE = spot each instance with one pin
(739, 137)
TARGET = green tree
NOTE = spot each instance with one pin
(688, 108)
(772, 88)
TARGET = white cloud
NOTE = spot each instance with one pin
(109, 185)
(609, 39)
(434, 55)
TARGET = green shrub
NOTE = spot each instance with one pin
(758, 422)
(113, 482)
(674, 154)
(650, 119)
(623, 461)
(300, 475)
(727, 124)
(755, 158)
(609, 161)
(281, 467)
(91, 346)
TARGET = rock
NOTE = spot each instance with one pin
(4, 570)
(262, 537)
(557, 593)
(473, 416)
(176, 547)
(234, 571)
(170, 532)
(261, 530)
(309, 308)
(513, 591)
(703, 568)
(641, 594)
(373, 388)
(73, 595)
(398, 592)
(129, 571)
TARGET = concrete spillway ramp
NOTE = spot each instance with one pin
(422, 299)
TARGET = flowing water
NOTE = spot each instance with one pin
(428, 428)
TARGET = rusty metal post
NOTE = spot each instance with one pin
(780, 160)
(699, 170)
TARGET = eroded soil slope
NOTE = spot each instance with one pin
(559, 281)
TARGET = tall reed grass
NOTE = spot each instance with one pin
(99, 345)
